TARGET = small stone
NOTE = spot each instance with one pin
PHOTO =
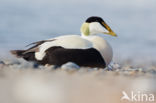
(116, 66)
(13, 63)
(113, 66)
(70, 66)
(35, 65)
(92, 69)
(2, 64)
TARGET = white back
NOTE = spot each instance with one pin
(68, 41)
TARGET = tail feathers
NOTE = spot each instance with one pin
(17, 53)
(22, 54)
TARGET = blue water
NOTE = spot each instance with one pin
(26, 21)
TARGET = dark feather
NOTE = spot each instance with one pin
(36, 44)
(39, 42)
(17, 53)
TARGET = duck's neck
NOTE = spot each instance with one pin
(85, 36)
(88, 37)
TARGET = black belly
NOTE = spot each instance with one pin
(59, 55)
(82, 57)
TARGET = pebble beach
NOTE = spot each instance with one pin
(23, 82)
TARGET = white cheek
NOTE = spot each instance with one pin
(96, 27)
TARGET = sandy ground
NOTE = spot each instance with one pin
(21, 82)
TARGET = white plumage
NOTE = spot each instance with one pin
(68, 42)
(78, 42)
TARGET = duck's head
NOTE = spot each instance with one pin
(96, 25)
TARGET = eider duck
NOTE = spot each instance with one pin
(87, 50)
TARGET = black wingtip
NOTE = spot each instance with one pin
(17, 53)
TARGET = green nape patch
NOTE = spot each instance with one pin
(85, 29)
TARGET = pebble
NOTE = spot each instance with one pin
(113, 66)
(127, 69)
(2, 64)
(70, 66)
(7, 62)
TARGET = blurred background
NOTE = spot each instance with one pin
(25, 21)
